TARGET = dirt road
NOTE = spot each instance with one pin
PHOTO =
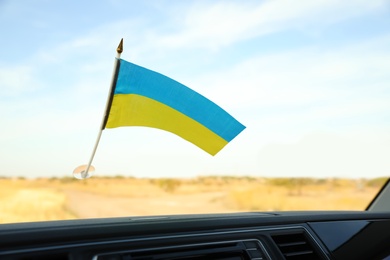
(89, 205)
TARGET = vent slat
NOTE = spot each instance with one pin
(295, 246)
(309, 252)
(292, 244)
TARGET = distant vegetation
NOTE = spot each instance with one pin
(167, 184)
(377, 182)
(171, 184)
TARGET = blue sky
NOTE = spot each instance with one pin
(309, 79)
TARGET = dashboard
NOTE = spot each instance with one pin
(254, 236)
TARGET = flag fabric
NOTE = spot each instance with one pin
(142, 97)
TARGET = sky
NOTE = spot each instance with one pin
(309, 79)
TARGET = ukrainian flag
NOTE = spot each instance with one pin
(142, 97)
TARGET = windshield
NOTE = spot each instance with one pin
(309, 81)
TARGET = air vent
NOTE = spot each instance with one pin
(296, 246)
(230, 250)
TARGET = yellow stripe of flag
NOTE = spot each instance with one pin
(137, 110)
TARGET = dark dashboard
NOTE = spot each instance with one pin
(276, 235)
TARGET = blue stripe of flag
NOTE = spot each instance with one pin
(134, 79)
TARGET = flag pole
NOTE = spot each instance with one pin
(85, 173)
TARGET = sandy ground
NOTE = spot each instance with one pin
(89, 205)
(46, 199)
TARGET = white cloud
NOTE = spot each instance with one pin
(17, 80)
(223, 23)
(307, 76)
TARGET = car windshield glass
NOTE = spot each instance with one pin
(307, 83)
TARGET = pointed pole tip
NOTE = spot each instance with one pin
(120, 47)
